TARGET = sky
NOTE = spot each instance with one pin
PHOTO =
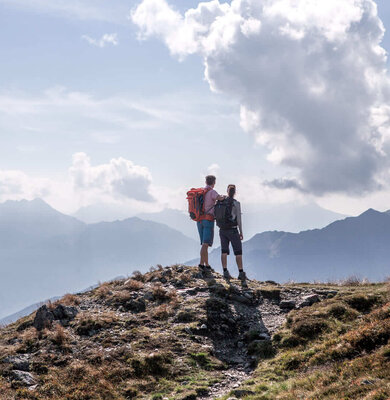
(131, 103)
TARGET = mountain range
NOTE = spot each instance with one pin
(44, 253)
(288, 217)
(355, 246)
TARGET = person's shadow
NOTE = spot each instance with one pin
(234, 323)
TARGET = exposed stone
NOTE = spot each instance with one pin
(136, 305)
(64, 314)
(287, 304)
(43, 318)
(20, 362)
(22, 378)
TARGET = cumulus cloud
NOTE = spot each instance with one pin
(213, 169)
(106, 39)
(310, 77)
(119, 177)
(17, 185)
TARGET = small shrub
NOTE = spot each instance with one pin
(59, 336)
(87, 324)
(162, 312)
(138, 276)
(386, 353)
(203, 360)
(291, 341)
(309, 327)
(157, 364)
(70, 300)
(103, 291)
(352, 280)
(361, 302)
(133, 284)
(185, 316)
(159, 292)
(261, 349)
(341, 312)
(130, 393)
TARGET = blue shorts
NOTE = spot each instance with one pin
(206, 231)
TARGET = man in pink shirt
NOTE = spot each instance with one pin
(206, 224)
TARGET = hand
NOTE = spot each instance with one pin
(241, 236)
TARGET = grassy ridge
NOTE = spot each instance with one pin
(336, 349)
(141, 338)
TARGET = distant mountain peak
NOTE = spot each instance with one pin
(371, 212)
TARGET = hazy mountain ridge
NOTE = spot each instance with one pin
(352, 246)
(47, 253)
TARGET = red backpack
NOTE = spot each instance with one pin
(196, 199)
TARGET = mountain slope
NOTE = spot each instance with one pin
(353, 246)
(178, 334)
(44, 253)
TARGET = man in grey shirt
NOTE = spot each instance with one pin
(232, 233)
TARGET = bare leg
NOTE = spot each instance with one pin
(224, 260)
(239, 262)
(204, 254)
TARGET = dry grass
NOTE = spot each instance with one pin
(103, 291)
(133, 284)
(59, 336)
(69, 300)
(162, 312)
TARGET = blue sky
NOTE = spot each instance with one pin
(61, 95)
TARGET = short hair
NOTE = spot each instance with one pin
(231, 189)
(210, 180)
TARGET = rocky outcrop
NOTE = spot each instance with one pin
(44, 316)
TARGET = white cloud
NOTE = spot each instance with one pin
(106, 39)
(17, 185)
(120, 177)
(98, 10)
(310, 76)
(213, 169)
(119, 182)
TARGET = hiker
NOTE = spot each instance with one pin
(201, 204)
(228, 216)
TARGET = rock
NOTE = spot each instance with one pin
(43, 318)
(311, 299)
(20, 362)
(64, 314)
(287, 304)
(22, 378)
(149, 296)
(240, 298)
(137, 305)
(367, 382)
(24, 325)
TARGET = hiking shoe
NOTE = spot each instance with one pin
(242, 276)
(226, 274)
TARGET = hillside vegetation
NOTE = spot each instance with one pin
(174, 333)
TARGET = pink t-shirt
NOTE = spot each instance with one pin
(209, 201)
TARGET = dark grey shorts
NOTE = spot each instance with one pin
(232, 236)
